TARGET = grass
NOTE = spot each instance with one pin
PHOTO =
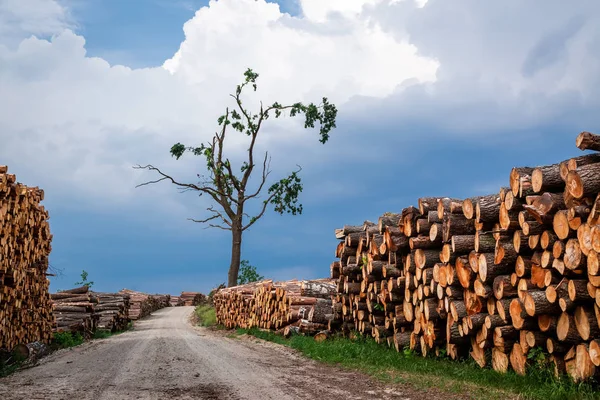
(64, 340)
(10, 363)
(458, 377)
(206, 316)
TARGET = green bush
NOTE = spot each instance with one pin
(206, 315)
(63, 340)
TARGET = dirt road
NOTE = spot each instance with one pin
(164, 357)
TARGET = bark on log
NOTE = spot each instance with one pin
(588, 141)
(584, 181)
(547, 178)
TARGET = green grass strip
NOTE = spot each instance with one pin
(460, 377)
(206, 315)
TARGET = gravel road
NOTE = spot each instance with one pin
(165, 357)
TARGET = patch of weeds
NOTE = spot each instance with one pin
(462, 377)
(206, 315)
(64, 340)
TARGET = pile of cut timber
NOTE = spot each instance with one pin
(176, 301)
(25, 307)
(74, 311)
(192, 298)
(304, 306)
(142, 304)
(490, 276)
(112, 310)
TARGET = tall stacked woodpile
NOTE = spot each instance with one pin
(303, 306)
(491, 276)
(25, 244)
(142, 304)
(74, 311)
(192, 298)
(112, 311)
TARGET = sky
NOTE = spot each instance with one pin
(435, 98)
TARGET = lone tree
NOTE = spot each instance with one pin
(228, 190)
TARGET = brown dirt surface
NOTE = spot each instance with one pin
(164, 357)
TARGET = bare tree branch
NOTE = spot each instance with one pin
(210, 225)
(265, 173)
(205, 189)
(254, 133)
(219, 226)
(262, 212)
(216, 214)
(203, 221)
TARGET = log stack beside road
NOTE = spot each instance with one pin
(25, 244)
(302, 306)
(81, 310)
(74, 311)
(142, 304)
(176, 301)
(490, 276)
(192, 298)
(112, 310)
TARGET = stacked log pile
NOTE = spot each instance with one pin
(25, 244)
(176, 301)
(301, 306)
(142, 304)
(192, 298)
(81, 310)
(74, 311)
(491, 276)
(112, 311)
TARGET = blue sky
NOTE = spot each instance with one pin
(139, 33)
(435, 101)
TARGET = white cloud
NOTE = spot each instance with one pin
(347, 58)
(19, 19)
(75, 125)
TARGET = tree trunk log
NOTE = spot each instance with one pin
(584, 181)
(588, 141)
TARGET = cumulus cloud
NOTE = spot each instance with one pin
(76, 122)
(19, 19)
(346, 57)
(503, 66)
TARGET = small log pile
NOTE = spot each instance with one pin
(112, 311)
(491, 276)
(74, 311)
(192, 298)
(142, 304)
(301, 306)
(176, 301)
(25, 244)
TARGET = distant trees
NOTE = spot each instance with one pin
(229, 190)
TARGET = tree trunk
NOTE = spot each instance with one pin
(547, 178)
(236, 253)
